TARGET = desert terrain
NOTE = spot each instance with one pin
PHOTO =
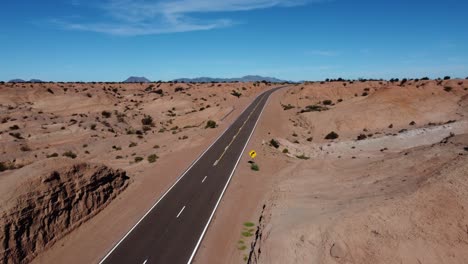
(82, 162)
(389, 187)
(349, 171)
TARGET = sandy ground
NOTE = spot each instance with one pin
(389, 189)
(55, 118)
(394, 196)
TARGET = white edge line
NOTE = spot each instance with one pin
(204, 179)
(225, 186)
(144, 262)
(162, 197)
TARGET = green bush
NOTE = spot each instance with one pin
(236, 93)
(302, 156)
(274, 143)
(254, 167)
(331, 135)
(147, 121)
(152, 158)
(210, 124)
(69, 154)
(53, 155)
(106, 114)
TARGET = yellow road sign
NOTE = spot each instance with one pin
(253, 154)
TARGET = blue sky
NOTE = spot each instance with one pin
(109, 40)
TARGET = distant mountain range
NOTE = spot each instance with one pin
(248, 78)
(134, 79)
(23, 81)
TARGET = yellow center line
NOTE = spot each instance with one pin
(235, 136)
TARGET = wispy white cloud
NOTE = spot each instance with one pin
(144, 17)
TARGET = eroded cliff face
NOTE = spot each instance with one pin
(47, 207)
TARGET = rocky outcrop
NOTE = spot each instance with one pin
(51, 205)
(255, 246)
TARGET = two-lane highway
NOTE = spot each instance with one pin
(172, 230)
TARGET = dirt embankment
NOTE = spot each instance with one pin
(40, 209)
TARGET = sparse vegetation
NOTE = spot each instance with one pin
(132, 144)
(138, 159)
(332, 135)
(147, 121)
(25, 148)
(287, 107)
(69, 154)
(236, 93)
(210, 124)
(14, 127)
(254, 167)
(106, 114)
(327, 102)
(16, 135)
(361, 137)
(53, 155)
(314, 108)
(274, 143)
(302, 156)
(152, 158)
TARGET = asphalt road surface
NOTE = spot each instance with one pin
(172, 230)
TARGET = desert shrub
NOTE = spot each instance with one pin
(302, 156)
(310, 139)
(138, 159)
(331, 135)
(254, 167)
(340, 100)
(178, 89)
(158, 91)
(156, 146)
(236, 93)
(25, 148)
(93, 126)
(285, 151)
(412, 123)
(274, 143)
(53, 155)
(106, 114)
(69, 154)
(50, 91)
(132, 144)
(3, 167)
(210, 124)
(365, 94)
(447, 78)
(152, 158)
(327, 102)
(16, 135)
(447, 88)
(147, 121)
(287, 107)
(14, 127)
(314, 108)
(361, 137)
(118, 157)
